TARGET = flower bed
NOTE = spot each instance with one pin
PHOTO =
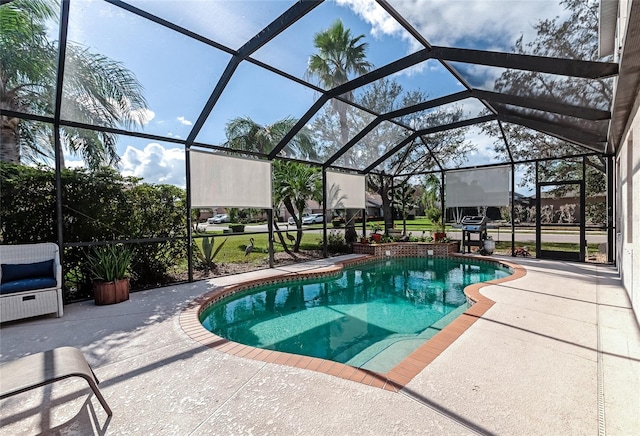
(420, 249)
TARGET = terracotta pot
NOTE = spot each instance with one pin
(111, 292)
(438, 236)
(364, 241)
(376, 237)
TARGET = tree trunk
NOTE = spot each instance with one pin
(298, 221)
(282, 241)
(9, 145)
(350, 234)
(386, 205)
(378, 183)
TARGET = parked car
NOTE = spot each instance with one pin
(292, 221)
(313, 218)
(308, 219)
(219, 218)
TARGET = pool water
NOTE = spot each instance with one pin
(370, 315)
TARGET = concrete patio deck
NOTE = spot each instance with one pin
(557, 354)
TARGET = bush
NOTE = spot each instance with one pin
(236, 228)
(336, 243)
(97, 206)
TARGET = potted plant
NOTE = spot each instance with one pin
(439, 235)
(109, 268)
(375, 236)
(435, 215)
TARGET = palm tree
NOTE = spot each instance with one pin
(245, 134)
(339, 56)
(293, 184)
(96, 90)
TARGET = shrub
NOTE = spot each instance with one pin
(336, 243)
(101, 205)
(236, 228)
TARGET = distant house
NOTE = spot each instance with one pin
(373, 204)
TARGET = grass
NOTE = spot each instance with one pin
(233, 250)
(504, 247)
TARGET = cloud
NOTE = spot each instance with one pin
(381, 22)
(490, 25)
(484, 152)
(155, 164)
(184, 121)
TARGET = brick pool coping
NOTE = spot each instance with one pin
(393, 380)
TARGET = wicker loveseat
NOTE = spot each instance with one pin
(30, 281)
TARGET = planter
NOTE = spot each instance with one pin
(376, 237)
(111, 292)
(399, 249)
(364, 241)
(437, 236)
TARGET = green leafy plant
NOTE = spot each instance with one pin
(336, 243)
(207, 255)
(109, 263)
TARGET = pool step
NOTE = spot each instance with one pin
(384, 355)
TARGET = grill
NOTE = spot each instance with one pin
(473, 225)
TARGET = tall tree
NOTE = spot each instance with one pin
(574, 37)
(384, 96)
(339, 57)
(96, 90)
(403, 195)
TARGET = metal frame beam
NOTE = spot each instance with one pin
(543, 105)
(428, 131)
(588, 140)
(540, 64)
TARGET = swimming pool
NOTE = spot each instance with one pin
(370, 315)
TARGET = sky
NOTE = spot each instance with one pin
(179, 73)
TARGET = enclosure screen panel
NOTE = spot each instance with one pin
(477, 187)
(229, 181)
(345, 191)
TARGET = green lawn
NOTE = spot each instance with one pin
(233, 249)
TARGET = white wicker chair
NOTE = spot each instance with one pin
(25, 304)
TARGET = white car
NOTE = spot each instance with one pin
(219, 218)
(292, 221)
(313, 218)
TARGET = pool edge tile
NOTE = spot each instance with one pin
(394, 380)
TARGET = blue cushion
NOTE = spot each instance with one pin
(19, 271)
(27, 285)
